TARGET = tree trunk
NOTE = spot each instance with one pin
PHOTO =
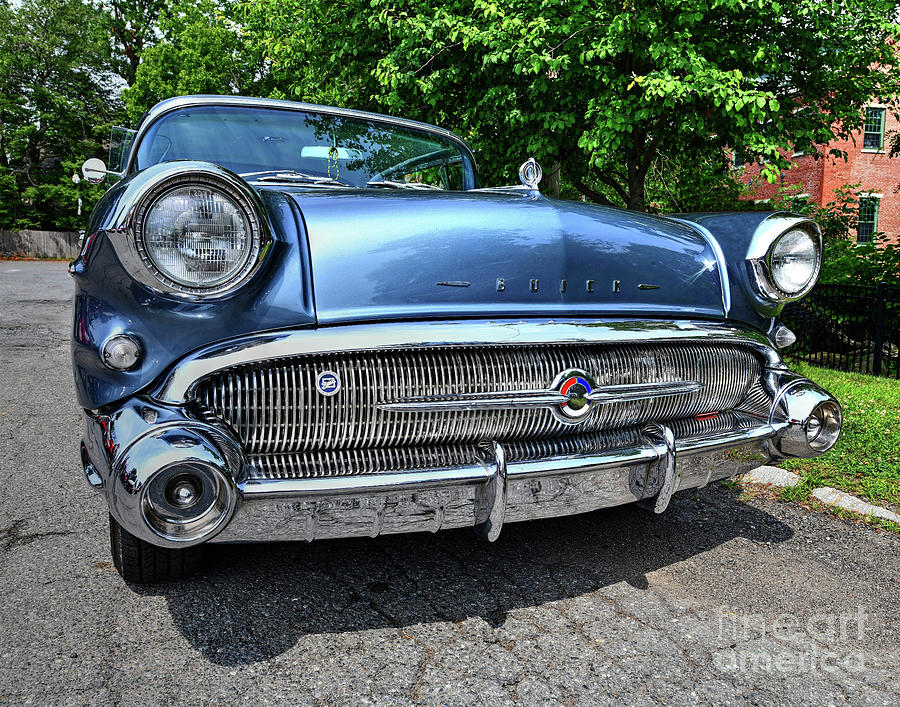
(552, 178)
(637, 174)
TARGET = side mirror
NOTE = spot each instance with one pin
(94, 170)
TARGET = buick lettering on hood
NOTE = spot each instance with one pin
(296, 322)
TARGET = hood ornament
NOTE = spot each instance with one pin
(531, 173)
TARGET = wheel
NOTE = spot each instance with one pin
(140, 562)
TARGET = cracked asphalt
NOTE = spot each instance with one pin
(715, 601)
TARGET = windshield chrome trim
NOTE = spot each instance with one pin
(179, 383)
(173, 104)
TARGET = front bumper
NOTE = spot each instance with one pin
(492, 492)
(126, 450)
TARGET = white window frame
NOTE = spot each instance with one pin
(875, 150)
(877, 199)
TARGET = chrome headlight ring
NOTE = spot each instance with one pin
(763, 247)
(154, 185)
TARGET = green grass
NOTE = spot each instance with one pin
(866, 459)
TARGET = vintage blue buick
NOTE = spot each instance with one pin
(295, 322)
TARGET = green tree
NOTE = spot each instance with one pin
(203, 50)
(696, 180)
(56, 88)
(600, 88)
(133, 28)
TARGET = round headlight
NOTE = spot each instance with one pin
(197, 236)
(794, 261)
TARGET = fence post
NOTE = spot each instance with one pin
(880, 306)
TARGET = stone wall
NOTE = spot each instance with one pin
(39, 244)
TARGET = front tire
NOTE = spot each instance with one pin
(141, 562)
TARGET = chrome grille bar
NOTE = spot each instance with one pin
(355, 462)
(504, 400)
(279, 410)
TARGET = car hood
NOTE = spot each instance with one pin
(379, 254)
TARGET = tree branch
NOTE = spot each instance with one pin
(571, 36)
(614, 185)
(435, 56)
(649, 152)
(591, 194)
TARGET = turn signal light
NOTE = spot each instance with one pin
(121, 353)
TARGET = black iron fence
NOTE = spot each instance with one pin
(848, 327)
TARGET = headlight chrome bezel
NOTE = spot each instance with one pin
(200, 180)
(145, 188)
(762, 246)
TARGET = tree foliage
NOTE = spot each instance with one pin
(202, 50)
(56, 91)
(132, 25)
(601, 88)
(632, 103)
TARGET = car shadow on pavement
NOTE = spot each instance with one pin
(254, 602)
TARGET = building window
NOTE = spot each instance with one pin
(873, 138)
(868, 219)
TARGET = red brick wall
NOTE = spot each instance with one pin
(875, 172)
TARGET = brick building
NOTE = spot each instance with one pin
(868, 165)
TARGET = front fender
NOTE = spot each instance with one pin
(734, 233)
(110, 300)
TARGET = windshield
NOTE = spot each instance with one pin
(272, 145)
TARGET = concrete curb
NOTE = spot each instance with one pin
(833, 497)
(773, 476)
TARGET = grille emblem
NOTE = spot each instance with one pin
(328, 383)
(576, 386)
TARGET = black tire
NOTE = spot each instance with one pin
(142, 563)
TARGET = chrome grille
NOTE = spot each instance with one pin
(758, 402)
(274, 407)
(349, 462)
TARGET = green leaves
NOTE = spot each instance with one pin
(205, 51)
(601, 88)
(610, 91)
(55, 89)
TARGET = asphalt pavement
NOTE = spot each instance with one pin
(715, 601)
